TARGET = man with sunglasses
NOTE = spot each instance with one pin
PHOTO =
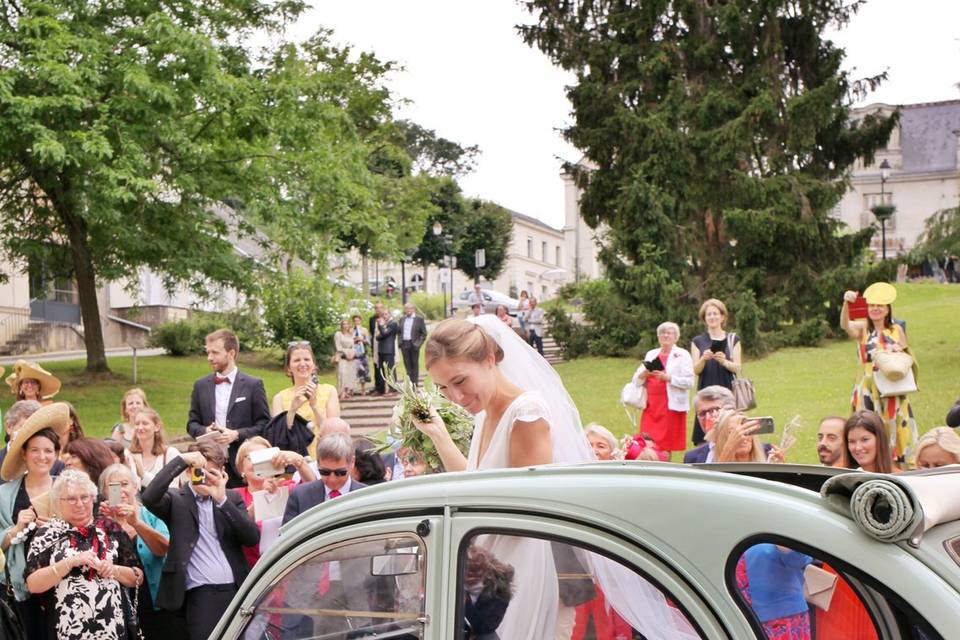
(708, 403)
(335, 454)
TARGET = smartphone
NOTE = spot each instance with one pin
(766, 425)
(857, 310)
(114, 496)
(718, 346)
(315, 379)
(197, 475)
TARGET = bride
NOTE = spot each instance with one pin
(523, 416)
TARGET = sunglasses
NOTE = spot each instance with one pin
(337, 472)
(298, 343)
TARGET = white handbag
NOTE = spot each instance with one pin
(633, 394)
(889, 387)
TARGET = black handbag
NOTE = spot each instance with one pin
(11, 628)
(130, 620)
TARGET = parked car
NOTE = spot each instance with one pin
(403, 548)
(491, 299)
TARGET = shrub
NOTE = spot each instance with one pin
(301, 307)
(431, 305)
(186, 337)
(572, 338)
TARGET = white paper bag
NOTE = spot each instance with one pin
(269, 505)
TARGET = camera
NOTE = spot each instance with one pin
(197, 475)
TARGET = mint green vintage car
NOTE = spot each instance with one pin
(395, 560)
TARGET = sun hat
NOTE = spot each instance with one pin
(26, 370)
(56, 416)
(880, 293)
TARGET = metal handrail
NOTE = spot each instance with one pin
(13, 324)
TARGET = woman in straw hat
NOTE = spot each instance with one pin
(25, 502)
(30, 381)
(875, 334)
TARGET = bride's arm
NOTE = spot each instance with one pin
(530, 444)
(450, 455)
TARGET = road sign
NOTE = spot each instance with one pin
(480, 259)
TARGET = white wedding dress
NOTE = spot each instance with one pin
(532, 613)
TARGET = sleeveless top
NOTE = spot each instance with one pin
(305, 412)
(713, 372)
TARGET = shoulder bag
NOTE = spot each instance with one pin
(743, 395)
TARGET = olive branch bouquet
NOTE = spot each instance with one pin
(416, 404)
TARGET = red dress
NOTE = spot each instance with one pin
(667, 428)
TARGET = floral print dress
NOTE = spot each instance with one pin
(82, 605)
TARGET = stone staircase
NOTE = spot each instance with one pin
(551, 351)
(367, 414)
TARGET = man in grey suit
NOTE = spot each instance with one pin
(413, 333)
(227, 402)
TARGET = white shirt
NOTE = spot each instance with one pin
(222, 397)
(408, 328)
(344, 490)
(711, 451)
(475, 298)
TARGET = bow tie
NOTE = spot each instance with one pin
(221, 380)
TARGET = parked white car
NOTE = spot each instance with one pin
(491, 299)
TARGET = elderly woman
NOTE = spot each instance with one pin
(25, 500)
(603, 443)
(875, 334)
(131, 402)
(81, 566)
(868, 444)
(149, 452)
(89, 455)
(667, 373)
(271, 484)
(937, 448)
(30, 381)
(414, 463)
(735, 441)
(717, 354)
(151, 537)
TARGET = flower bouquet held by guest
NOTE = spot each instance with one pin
(938, 447)
(133, 400)
(149, 451)
(667, 373)
(26, 503)
(311, 400)
(717, 355)
(81, 566)
(150, 536)
(345, 353)
(30, 381)
(868, 446)
(876, 334)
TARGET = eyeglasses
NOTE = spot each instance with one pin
(708, 412)
(337, 472)
(75, 500)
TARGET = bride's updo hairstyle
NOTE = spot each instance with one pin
(455, 338)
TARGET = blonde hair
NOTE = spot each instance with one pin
(455, 338)
(723, 429)
(123, 402)
(713, 302)
(244, 451)
(944, 437)
(159, 438)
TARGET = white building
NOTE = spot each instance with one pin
(924, 176)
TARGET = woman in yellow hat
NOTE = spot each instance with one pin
(30, 381)
(874, 334)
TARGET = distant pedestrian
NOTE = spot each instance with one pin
(667, 373)
(717, 354)
(413, 333)
(386, 349)
(534, 322)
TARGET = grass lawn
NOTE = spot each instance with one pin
(810, 383)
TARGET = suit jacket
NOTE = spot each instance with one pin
(247, 412)
(178, 509)
(308, 495)
(697, 454)
(387, 338)
(418, 334)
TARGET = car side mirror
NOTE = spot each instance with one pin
(395, 564)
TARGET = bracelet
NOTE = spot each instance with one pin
(55, 572)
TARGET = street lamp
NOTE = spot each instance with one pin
(883, 210)
(438, 232)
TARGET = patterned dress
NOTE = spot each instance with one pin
(896, 411)
(82, 605)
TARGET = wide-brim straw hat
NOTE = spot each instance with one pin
(26, 370)
(880, 293)
(55, 416)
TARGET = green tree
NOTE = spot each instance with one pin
(489, 227)
(941, 235)
(721, 138)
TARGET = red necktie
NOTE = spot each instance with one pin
(221, 380)
(334, 494)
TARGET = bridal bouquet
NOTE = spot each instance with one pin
(416, 403)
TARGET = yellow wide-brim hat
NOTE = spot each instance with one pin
(880, 293)
(26, 370)
(55, 416)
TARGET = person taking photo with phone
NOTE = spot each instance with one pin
(717, 355)
(307, 397)
(736, 440)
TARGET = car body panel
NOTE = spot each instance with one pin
(678, 522)
(491, 300)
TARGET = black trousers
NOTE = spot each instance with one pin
(411, 361)
(385, 365)
(203, 606)
(35, 623)
(536, 340)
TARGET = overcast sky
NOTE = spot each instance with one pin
(470, 77)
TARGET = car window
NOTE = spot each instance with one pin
(371, 588)
(504, 589)
(798, 593)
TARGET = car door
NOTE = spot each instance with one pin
(579, 560)
(372, 579)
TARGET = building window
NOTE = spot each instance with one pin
(529, 247)
(558, 261)
(543, 250)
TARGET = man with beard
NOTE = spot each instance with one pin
(830, 445)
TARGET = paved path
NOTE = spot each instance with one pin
(57, 356)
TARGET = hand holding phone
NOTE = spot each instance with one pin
(114, 496)
(765, 425)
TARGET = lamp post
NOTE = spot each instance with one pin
(438, 232)
(883, 210)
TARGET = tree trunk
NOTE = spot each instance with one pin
(87, 292)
